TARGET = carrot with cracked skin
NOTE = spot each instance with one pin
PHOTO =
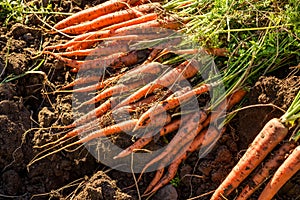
(185, 70)
(93, 12)
(109, 19)
(288, 168)
(265, 172)
(271, 134)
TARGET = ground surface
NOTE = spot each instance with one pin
(24, 104)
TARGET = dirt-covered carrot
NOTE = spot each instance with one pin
(94, 12)
(88, 64)
(109, 19)
(185, 70)
(288, 168)
(96, 52)
(266, 171)
(186, 133)
(141, 19)
(81, 80)
(198, 142)
(272, 133)
(148, 137)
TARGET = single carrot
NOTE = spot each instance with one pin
(173, 102)
(87, 64)
(159, 173)
(288, 168)
(109, 19)
(141, 19)
(272, 133)
(96, 52)
(266, 170)
(93, 87)
(185, 70)
(198, 142)
(93, 12)
(185, 135)
(148, 137)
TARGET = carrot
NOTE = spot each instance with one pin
(87, 64)
(141, 19)
(85, 80)
(96, 52)
(270, 166)
(109, 19)
(272, 133)
(198, 142)
(173, 102)
(184, 71)
(159, 173)
(288, 168)
(93, 12)
(81, 80)
(185, 134)
(148, 137)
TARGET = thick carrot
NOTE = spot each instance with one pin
(272, 133)
(109, 19)
(267, 169)
(93, 12)
(288, 168)
(141, 19)
(185, 70)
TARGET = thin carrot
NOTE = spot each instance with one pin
(148, 137)
(288, 168)
(141, 19)
(173, 102)
(88, 64)
(93, 12)
(198, 142)
(109, 19)
(96, 52)
(270, 166)
(185, 70)
(185, 135)
(85, 80)
(272, 133)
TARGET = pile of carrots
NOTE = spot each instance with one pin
(124, 44)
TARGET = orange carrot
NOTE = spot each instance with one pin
(88, 64)
(148, 137)
(185, 134)
(184, 71)
(272, 133)
(141, 19)
(288, 168)
(93, 12)
(96, 52)
(270, 166)
(85, 80)
(109, 19)
(198, 142)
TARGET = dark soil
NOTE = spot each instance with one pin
(27, 108)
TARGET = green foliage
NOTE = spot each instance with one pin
(175, 181)
(11, 10)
